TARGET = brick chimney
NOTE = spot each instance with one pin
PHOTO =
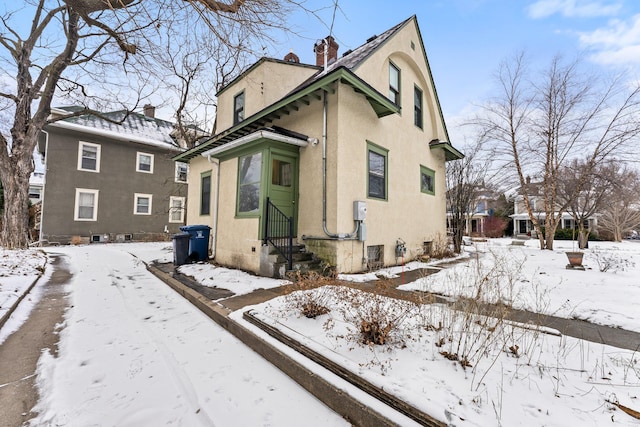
(149, 110)
(332, 54)
(292, 57)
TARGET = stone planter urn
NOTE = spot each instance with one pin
(575, 259)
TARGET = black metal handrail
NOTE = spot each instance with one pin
(278, 230)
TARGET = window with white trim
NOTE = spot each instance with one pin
(182, 170)
(86, 205)
(88, 157)
(144, 162)
(176, 209)
(142, 204)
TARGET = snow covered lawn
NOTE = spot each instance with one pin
(18, 270)
(543, 284)
(513, 376)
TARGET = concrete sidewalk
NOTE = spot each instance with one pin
(20, 352)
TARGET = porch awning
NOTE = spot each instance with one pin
(299, 141)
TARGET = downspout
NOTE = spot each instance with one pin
(324, 178)
(216, 205)
(44, 183)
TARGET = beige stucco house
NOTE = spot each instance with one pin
(352, 149)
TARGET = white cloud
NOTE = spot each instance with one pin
(573, 8)
(617, 43)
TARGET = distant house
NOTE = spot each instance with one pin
(351, 149)
(111, 178)
(36, 187)
(476, 219)
(522, 225)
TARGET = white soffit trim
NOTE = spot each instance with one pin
(253, 137)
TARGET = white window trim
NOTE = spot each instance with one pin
(76, 208)
(140, 153)
(176, 172)
(97, 146)
(182, 204)
(137, 196)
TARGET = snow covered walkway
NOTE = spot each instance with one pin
(133, 352)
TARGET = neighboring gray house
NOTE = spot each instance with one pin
(111, 179)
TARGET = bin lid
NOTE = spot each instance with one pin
(180, 236)
(195, 227)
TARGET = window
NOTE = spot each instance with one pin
(417, 107)
(176, 209)
(427, 180)
(182, 169)
(375, 257)
(34, 192)
(144, 163)
(238, 108)
(377, 172)
(281, 173)
(86, 206)
(205, 193)
(142, 204)
(249, 174)
(88, 157)
(394, 84)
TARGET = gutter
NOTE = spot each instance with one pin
(44, 183)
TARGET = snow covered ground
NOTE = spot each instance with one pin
(132, 352)
(18, 271)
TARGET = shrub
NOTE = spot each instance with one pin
(494, 226)
(303, 298)
(611, 260)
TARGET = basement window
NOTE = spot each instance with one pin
(375, 257)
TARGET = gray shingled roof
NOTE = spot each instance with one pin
(135, 126)
(351, 59)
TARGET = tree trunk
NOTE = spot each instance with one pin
(583, 237)
(15, 219)
(550, 226)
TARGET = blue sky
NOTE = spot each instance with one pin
(465, 40)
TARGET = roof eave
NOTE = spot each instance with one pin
(120, 137)
(450, 152)
(380, 104)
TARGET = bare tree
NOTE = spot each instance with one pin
(590, 195)
(621, 205)
(538, 123)
(465, 179)
(72, 46)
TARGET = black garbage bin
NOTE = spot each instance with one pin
(198, 241)
(180, 248)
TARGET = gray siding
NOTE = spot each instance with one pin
(117, 183)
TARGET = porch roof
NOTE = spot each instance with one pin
(292, 102)
(272, 134)
(539, 215)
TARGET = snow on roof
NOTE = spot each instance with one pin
(121, 125)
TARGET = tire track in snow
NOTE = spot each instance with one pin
(180, 378)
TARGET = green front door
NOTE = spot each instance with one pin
(282, 184)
